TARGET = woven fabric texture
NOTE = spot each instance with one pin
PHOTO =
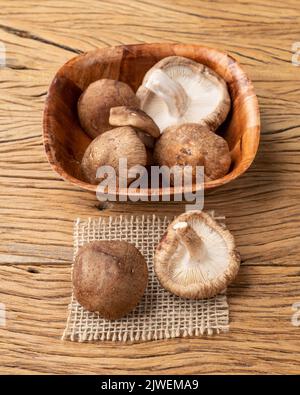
(160, 315)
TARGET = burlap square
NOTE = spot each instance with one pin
(160, 315)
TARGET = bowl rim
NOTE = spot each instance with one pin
(157, 192)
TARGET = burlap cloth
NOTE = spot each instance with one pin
(160, 315)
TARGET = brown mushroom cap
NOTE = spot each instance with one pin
(194, 145)
(108, 148)
(197, 257)
(130, 116)
(109, 277)
(145, 127)
(95, 102)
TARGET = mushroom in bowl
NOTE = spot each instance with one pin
(193, 144)
(146, 128)
(65, 140)
(96, 101)
(132, 140)
(177, 90)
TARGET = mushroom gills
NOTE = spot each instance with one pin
(108, 149)
(169, 91)
(197, 257)
(179, 90)
(201, 255)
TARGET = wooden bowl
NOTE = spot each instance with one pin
(65, 141)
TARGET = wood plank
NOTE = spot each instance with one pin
(261, 337)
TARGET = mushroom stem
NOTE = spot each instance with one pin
(170, 91)
(190, 239)
(130, 116)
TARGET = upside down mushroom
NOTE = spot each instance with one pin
(178, 90)
(197, 257)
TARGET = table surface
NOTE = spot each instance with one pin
(38, 208)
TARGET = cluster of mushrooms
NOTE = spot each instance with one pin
(171, 120)
(195, 259)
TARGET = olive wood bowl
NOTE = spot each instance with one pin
(65, 141)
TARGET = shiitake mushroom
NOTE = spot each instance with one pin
(96, 101)
(108, 148)
(177, 90)
(131, 140)
(146, 128)
(107, 103)
(193, 144)
(109, 277)
(197, 257)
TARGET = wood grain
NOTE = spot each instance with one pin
(38, 209)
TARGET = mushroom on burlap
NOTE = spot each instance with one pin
(109, 277)
(197, 257)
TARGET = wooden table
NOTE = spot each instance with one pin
(38, 208)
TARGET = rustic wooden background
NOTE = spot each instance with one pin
(38, 208)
